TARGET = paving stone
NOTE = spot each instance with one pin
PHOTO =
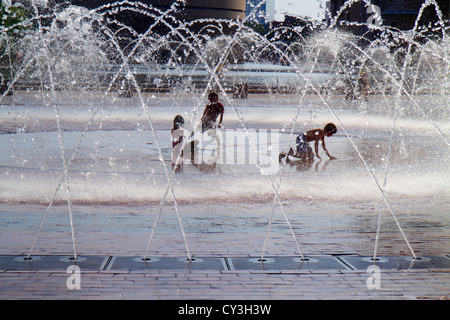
(331, 238)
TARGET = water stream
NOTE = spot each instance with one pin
(92, 104)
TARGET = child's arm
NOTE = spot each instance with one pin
(220, 120)
(316, 148)
(204, 112)
(325, 149)
(315, 134)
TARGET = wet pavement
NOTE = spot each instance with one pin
(225, 243)
(320, 242)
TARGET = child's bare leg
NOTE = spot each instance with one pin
(284, 154)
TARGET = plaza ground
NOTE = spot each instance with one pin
(225, 231)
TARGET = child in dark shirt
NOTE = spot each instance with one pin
(213, 110)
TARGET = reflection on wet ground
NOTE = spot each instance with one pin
(121, 159)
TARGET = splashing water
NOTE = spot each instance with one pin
(87, 106)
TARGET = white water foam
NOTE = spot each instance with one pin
(120, 164)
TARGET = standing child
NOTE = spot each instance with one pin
(178, 135)
(213, 110)
(304, 150)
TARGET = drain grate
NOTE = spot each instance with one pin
(138, 263)
(322, 262)
(49, 262)
(287, 263)
(106, 263)
(398, 262)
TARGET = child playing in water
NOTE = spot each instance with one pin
(178, 135)
(304, 150)
(213, 110)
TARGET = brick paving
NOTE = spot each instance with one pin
(226, 230)
(214, 284)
